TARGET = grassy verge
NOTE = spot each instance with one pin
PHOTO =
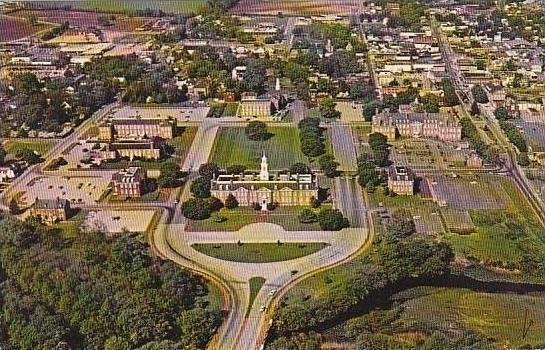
(41, 146)
(255, 285)
(258, 252)
(182, 142)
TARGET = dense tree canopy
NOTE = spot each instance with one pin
(91, 292)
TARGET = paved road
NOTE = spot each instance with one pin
(298, 111)
(202, 145)
(344, 148)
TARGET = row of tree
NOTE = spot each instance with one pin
(312, 138)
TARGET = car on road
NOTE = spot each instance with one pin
(262, 308)
(272, 292)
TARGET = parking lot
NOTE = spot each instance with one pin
(469, 193)
(350, 112)
(119, 221)
(82, 190)
(179, 113)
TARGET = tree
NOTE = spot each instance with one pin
(3, 154)
(522, 159)
(196, 327)
(196, 209)
(235, 169)
(414, 257)
(208, 170)
(307, 216)
(170, 175)
(378, 141)
(130, 253)
(328, 165)
(332, 220)
(299, 168)
(327, 109)
(401, 225)
(479, 94)
(15, 232)
(501, 113)
(28, 155)
(13, 207)
(116, 343)
(214, 203)
(310, 133)
(450, 97)
(379, 145)
(200, 187)
(368, 176)
(257, 131)
(26, 83)
(231, 202)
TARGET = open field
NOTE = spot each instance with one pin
(41, 146)
(233, 147)
(242, 216)
(297, 7)
(129, 6)
(12, 28)
(502, 317)
(258, 252)
(83, 19)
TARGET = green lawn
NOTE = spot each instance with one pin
(282, 149)
(258, 252)
(41, 146)
(503, 237)
(182, 142)
(230, 109)
(362, 132)
(255, 285)
(242, 216)
(498, 316)
(69, 228)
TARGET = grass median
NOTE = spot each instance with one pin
(258, 252)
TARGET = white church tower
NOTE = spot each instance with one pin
(264, 173)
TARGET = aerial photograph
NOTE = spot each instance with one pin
(272, 174)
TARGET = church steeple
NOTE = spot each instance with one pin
(264, 173)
